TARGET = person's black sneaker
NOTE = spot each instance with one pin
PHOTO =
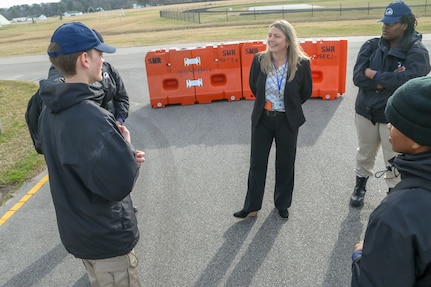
(135, 209)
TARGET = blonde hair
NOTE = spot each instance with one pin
(294, 51)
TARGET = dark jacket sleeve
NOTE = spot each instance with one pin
(257, 86)
(388, 256)
(417, 64)
(356, 271)
(108, 149)
(254, 73)
(307, 85)
(296, 92)
(121, 98)
(363, 62)
(34, 108)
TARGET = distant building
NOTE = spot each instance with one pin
(29, 18)
(72, 13)
(21, 19)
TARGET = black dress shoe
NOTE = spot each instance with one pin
(284, 213)
(243, 214)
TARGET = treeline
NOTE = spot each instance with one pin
(85, 6)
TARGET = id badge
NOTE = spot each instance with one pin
(278, 105)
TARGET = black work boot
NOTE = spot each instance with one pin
(357, 198)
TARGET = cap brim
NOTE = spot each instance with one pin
(102, 47)
(389, 20)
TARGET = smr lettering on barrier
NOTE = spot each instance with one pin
(327, 49)
(154, 61)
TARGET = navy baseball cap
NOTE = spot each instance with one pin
(76, 37)
(394, 11)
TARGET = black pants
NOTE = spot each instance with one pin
(270, 128)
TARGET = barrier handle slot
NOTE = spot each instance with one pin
(192, 61)
(194, 83)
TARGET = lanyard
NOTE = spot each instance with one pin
(279, 80)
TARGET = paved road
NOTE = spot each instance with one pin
(193, 180)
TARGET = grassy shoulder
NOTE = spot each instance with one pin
(19, 161)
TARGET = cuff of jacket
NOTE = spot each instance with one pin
(356, 256)
(375, 76)
(120, 120)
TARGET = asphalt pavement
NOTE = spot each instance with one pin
(194, 178)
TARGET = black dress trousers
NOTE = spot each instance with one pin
(270, 127)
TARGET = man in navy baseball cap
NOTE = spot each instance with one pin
(91, 162)
(76, 37)
(394, 11)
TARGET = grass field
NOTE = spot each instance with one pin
(145, 27)
(18, 159)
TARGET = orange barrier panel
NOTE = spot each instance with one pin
(328, 67)
(206, 74)
(248, 50)
(168, 77)
(342, 68)
(218, 76)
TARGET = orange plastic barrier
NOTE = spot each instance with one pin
(206, 74)
(248, 50)
(197, 75)
(328, 67)
(168, 77)
(218, 76)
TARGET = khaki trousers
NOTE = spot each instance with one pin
(370, 138)
(120, 271)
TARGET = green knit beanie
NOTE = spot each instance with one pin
(409, 110)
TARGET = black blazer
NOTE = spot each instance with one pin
(296, 92)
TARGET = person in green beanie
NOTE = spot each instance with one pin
(396, 250)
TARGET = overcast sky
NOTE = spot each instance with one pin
(10, 3)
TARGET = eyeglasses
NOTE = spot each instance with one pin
(390, 25)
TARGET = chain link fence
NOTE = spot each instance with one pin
(311, 13)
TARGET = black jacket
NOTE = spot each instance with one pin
(92, 171)
(377, 55)
(397, 243)
(115, 98)
(296, 92)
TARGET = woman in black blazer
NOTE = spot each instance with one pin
(280, 79)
